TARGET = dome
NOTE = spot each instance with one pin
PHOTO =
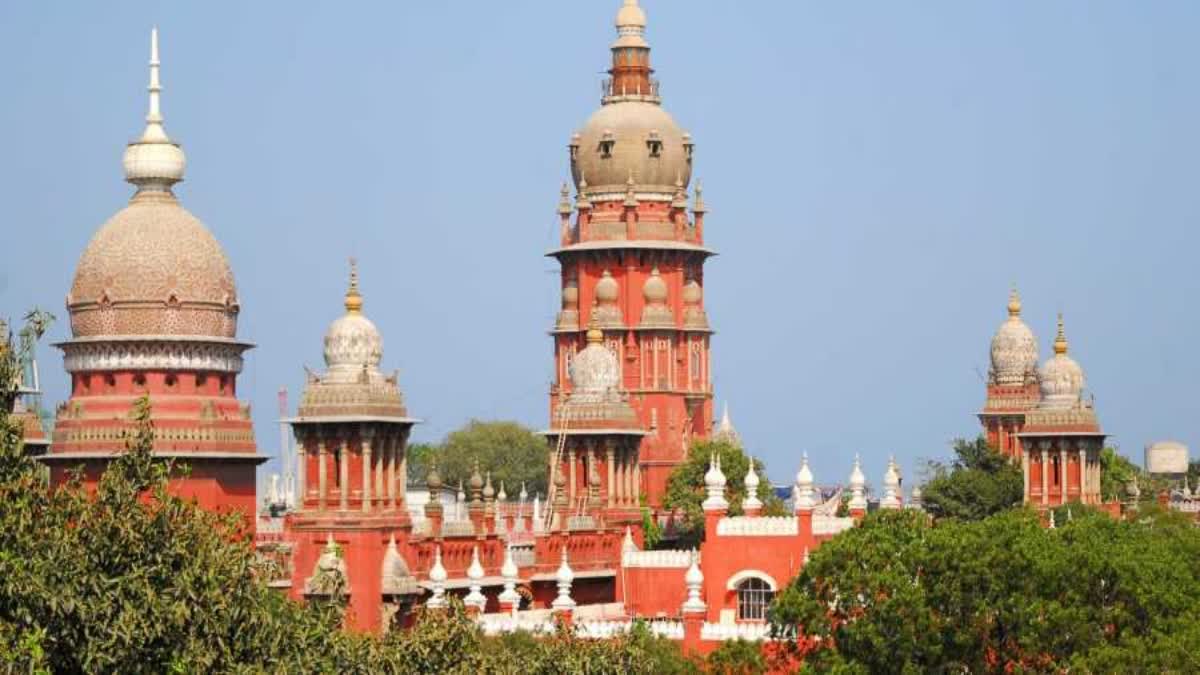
(1014, 349)
(631, 15)
(595, 371)
(692, 293)
(631, 138)
(655, 289)
(352, 343)
(1062, 379)
(153, 269)
(607, 289)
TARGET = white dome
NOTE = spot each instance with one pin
(595, 371)
(1062, 379)
(607, 289)
(655, 288)
(352, 343)
(1014, 349)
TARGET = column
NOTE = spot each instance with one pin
(571, 476)
(620, 481)
(1025, 472)
(366, 470)
(402, 485)
(322, 472)
(636, 487)
(1045, 471)
(1062, 473)
(1084, 470)
(301, 472)
(393, 446)
(612, 473)
(380, 455)
(344, 475)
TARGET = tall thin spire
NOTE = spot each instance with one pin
(1014, 302)
(154, 162)
(354, 300)
(631, 69)
(1060, 341)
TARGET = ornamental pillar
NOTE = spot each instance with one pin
(322, 472)
(380, 493)
(366, 470)
(1062, 473)
(1045, 446)
(608, 457)
(1025, 471)
(571, 476)
(301, 472)
(344, 474)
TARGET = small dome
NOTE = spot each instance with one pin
(352, 343)
(635, 138)
(570, 295)
(1062, 379)
(655, 288)
(631, 15)
(595, 370)
(692, 293)
(1014, 351)
(607, 289)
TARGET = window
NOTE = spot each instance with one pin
(753, 596)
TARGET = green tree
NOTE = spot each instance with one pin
(1116, 471)
(420, 457)
(512, 452)
(979, 482)
(685, 489)
(1001, 594)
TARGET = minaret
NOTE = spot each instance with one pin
(634, 257)
(154, 311)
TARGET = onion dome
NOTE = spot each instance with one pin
(568, 318)
(564, 577)
(656, 313)
(438, 576)
(434, 480)
(805, 494)
(858, 485)
(891, 486)
(352, 343)
(714, 483)
(153, 268)
(595, 371)
(397, 578)
(476, 483)
(694, 316)
(751, 482)
(606, 312)
(693, 580)
(1014, 349)
(627, 544)
(1061, 377)
(915, 501)
(475, 573)
(631, 134)
(489, 492)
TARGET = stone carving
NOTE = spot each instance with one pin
(153, 354)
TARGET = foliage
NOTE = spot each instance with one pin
(652, 532)
(900, 594)
(513, 453)
(419, 458)
(978, 483)
(1116, 471)
(737, 657)
(685, 489)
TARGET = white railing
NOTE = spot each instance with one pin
(601, 629)
(1183, 507)
(581, 523)
(495, 624)
(746, 526)
(524, 556)
(458, 528)
(657, 559)
(719, 632)
(822, 524)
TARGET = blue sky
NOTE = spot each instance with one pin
(878, 175)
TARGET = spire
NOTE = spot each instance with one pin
(154, 162)
(595, 336)
(1052, 525)
(631, 25)
(631, 191)
(1060, 341)
(694, 580)
(475, 597)
(751, 503)
(437, 575)
(628, 545)
(699, 206)
(858, 484)
(509, 572)
(564, 576)
(354, 301)
(631, 58)
(564, 201)
(714, 482)
(805, 497)
(891, 486)
(1014, 302)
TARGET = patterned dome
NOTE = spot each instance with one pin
(1014, 349)
(1062, 379)
(655, 289)
(607, 289)
(353, 343)
(153, 268)
(595, 371)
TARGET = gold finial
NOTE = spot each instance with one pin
(595, 336)
(1060, 341)
(354, 301)
(1014, 302)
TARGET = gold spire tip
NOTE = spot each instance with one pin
(354, 300)
(1060, 341)
(1014, 302)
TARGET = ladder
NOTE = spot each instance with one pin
(548, 517)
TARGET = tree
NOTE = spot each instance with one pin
(511, 452)
(685, 489)
(420, 458)
(978, 483)
(1001, 594)
(1116, 472)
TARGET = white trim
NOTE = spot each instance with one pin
(738, 578)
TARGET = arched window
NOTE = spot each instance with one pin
(753, 596)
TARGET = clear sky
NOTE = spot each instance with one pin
(878, 174)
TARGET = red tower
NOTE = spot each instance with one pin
(1012, 386)
(633, 260)
(154, 313)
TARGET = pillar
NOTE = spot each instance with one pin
(1025, 471)
(1045, 446)
(366, 471)
(612, 473)
(571, 477)
(402, 485)
(301, 473)
(322, 472)
(1062, 473)
(344, 475)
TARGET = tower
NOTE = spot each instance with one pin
(1012, 385)
(633, 259)
(1061, 441)
(351, 430)
(154, 311)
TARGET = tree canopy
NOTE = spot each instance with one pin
(513, 453)
(900, 594)
(685, 489)
(979, 482)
